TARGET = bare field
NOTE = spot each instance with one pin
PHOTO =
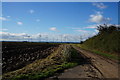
(16, 55)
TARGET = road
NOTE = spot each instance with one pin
(99, 67)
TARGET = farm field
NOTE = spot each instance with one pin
(36, 61)
(16, 55)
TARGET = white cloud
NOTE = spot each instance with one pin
(49, 37)
(12, 36)
(76, 28)
(81, 30)
(53, 29)
(18, 34)
(117, 25)
(19, 23)
(94, 26)
(85, 34)
(3, 19)
(45, 37)
(31, 11)
(91, 27)
(98, 18)
(37, 20)
(8, 16)
(96, 31)
(3, 29)
(99, 5)
(35, 37)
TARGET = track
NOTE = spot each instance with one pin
(98, 68)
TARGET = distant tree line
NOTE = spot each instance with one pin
(107, 28)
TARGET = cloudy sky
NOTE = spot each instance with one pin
(55, 21)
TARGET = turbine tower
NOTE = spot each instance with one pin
(40, 37)
(81, 38)
(28, 38)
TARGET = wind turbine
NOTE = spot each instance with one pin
(46, 38)
(61, 38)
(12, 37)
(81, 38)
(65, 38)
(40, 37)
(28, 38)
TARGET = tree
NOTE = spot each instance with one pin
(107, 28)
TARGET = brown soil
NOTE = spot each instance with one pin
(98, 68)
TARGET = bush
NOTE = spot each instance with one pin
(107, 40)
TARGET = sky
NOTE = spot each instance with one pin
(55, 21)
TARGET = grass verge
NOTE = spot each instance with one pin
(108, 55)
(50, 71)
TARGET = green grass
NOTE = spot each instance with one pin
(44, 74)
(105, 42)
(106, 55)
(111, 56)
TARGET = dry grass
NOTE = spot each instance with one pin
(44, 68)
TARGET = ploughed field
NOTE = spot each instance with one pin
(16, 55)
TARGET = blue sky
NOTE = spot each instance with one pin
(56, 18)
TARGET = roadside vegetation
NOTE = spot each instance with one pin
(106, 42)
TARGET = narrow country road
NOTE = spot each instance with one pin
(99, 67)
